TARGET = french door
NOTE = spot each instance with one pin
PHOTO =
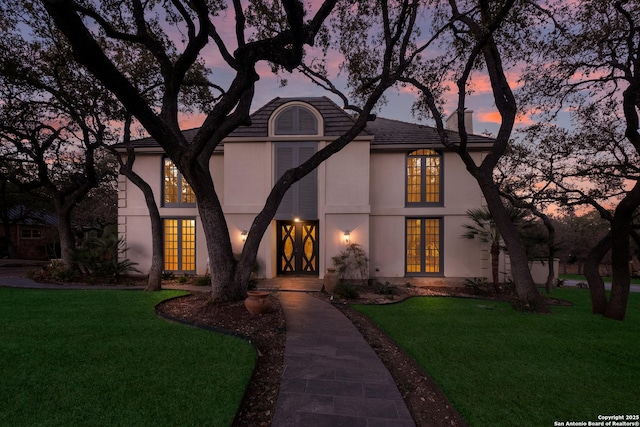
(297, 248)
(180, 245)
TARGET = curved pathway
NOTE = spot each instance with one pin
(332, 377)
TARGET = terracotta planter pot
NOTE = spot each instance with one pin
(257, 302)
(330, 280)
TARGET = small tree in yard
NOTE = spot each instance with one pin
(352, 264)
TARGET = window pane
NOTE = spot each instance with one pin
(284, 122)
(187, 192)
(432, 245)
(306, 122)
(414, 176)
(188, 245)
(414, 249)
(171, 244)
(288, 235)
(432, 179)
(170, 182)
(308, 243)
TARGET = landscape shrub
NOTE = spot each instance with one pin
(352, 264)
(203, 280)
(102, 257)
(478, 285)
(385, 288)
(346, 290)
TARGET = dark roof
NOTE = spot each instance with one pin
(150, 142)
(390, 132)
(21, 214)
(386, 132)
(336, 120)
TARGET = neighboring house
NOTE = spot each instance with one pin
(32, 233)
(394, 190)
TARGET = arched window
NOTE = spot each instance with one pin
(296, 120)
(176, 191)
(424, 178)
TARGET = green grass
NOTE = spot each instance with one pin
(500, 367)
(582, 278)
(102, 358)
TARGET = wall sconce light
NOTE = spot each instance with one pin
(243, 235)
(347, 236)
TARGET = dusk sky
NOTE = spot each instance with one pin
(485, 115)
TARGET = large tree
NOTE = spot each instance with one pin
(529, 184)
(146, 28)
(490, 38)
(591, 65)
(464, 38)
(51, 126)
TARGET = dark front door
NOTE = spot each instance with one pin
(297, 249)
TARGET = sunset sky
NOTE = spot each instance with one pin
(485, 116)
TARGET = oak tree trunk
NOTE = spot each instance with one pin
(154, 280)
(592, 274)
(65, 233)
(495, 265)
(621, 254)
(525, 287)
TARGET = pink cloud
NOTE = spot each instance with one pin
(496, 118)
(480, 83)
(489, 117)
(191, 121)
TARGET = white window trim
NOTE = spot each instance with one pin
(277, 111)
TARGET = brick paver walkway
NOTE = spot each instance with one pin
(332, 377)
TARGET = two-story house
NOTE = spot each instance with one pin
(394, 190)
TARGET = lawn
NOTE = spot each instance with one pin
(102, 358)
(582, 278)
(502, 367)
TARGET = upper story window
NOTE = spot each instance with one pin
(176, 191)
(424, 178)
(296, 120)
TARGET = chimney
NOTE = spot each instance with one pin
(452, 121)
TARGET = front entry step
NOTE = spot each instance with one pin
(299, 284)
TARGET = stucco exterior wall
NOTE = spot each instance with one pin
(462, 258)
(343, 205)
(247, 182)
(133, 215)
(359, 191)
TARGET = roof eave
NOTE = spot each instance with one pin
(414, 146)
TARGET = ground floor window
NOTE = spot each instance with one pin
(180, 245)
(31, 233)
(423, 246)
